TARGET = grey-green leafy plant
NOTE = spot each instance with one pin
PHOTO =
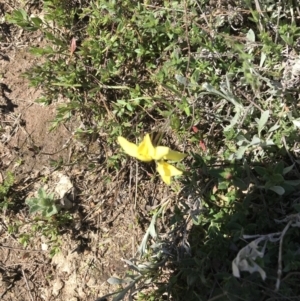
(43, 203)
(273, 178)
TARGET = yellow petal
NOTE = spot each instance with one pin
(160, 152)
(128, 147)
(132, 150)
(174, 156)
(166, 171)
(146, 149)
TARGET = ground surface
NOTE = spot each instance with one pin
(218, 82)
(101, 233)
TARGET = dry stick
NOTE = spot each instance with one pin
(160, 7)
(277, 25)
(135, 199)
(136, 183)
(257, 6)
(298, 11)
(279, 271)
(289, 275)
(19, 249)
(7, 289)
(203, 15)
(258, 9)
(251, 101)
(91, 261)
(27, 285)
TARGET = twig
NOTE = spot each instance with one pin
(289, 275)
(31, 297)
(88, 266)
(279, 271)
(248, 98)
(19, 249)
(7, 289)
(258, 9)
(277, 25)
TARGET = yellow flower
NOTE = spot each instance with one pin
(166, 171)
(145, 151)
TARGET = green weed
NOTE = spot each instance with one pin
(5, 187)
(43, 203)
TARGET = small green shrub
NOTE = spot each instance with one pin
(43, 203)
(5, 197)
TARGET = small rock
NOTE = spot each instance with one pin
(57, 286)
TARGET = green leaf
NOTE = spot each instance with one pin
(260, 170)
(263, 57)
(23, 13)
(255, 140)
(278, 189)
(292, 182)
(274, 128)
(66, 85)
(263, 120)
(187, 111)
(250, 35)
(18, 16)
(36, 21)
(31, 202)
(42, 51)
(34, 209)
(45, 202)
(181, 79)
(297, 207)
(287, 169)
(276, 178)
(240, 183)
(42, 193)
(279, 168)
(241, 140)
(51, 211)
(115, 280)
(233, 121)
(240, 152)
(192, 277)
(269, 142)
(175, 122)
(296, 123)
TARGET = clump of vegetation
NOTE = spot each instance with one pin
(43, 203)
(220, 80)
(5, 188)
